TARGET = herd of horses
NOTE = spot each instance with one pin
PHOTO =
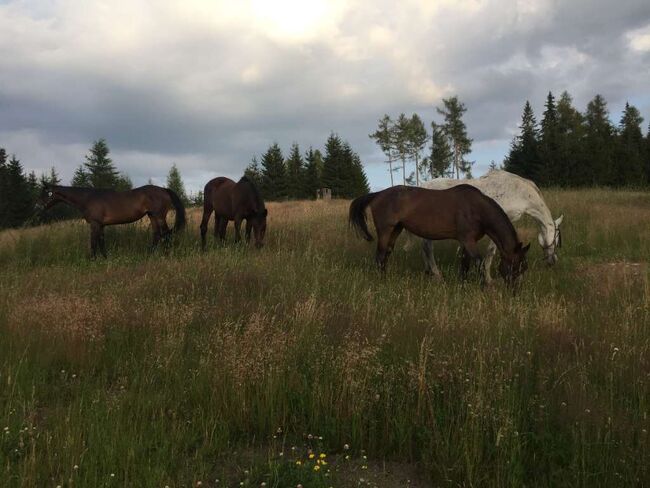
(465, 211)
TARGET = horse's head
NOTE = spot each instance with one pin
(515, 264)
(48, 198)
(259, 227)
(550, 240)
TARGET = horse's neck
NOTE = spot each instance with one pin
(499, 228)
(536, 207)
(76, 197)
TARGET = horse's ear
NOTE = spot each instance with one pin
(559, 220)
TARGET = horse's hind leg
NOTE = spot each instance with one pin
(222, 225)
(94, 239)
(207, 211)
(385, 244)
(429, 261)
(249, 228)
(155, 227)
(102, 242)
(238, 221)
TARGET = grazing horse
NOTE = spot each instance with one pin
(462, 213)
(517, 196)
(108, 207)
(233, 201)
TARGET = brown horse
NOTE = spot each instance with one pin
(233, 201)
(109, 207)
(462, 213)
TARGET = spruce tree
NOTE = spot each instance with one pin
(573, 169)
(20, 205)
(441, 158)
(313, 169)
(549, 144)
(101, 170)
(599, 143)
(630, 167)
(175, 184)
(4, 191)
(523, 158)
(456, 131)
(295, 173)
(80, 178)
(274, 185)
(254, 173)
(647, 156)
(331, 177)
(359, 181)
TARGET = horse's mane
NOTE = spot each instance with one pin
(259, 202)
(496, 207)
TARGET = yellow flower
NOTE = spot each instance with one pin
(311, 455)
(316, 468)
(322, 455)
(298, 463)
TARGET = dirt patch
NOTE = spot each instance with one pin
(608, 277)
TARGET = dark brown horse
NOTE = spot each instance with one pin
(109, 207)
(462, 213)
(233, 201)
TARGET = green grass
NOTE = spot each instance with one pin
(173, 367)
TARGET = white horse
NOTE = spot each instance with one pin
(517, 196)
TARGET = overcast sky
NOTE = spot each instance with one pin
(208, 84)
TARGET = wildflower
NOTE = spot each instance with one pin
(311, 455)
(112, 475)
(75, 467)
(316, 468)
(346, 447)
(347, 456)
(263, 483)
(198, 483)
(298, 463)
(322, 455)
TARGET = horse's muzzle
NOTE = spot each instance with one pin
(552, 259)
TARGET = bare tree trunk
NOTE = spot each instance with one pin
(456, 163)
(404, 171)
(390, 170)
(417, 171)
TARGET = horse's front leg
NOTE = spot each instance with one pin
(470, 255)
(430, 266)
(487, 262)
(249, 228)
(96, 239)
(155, 227)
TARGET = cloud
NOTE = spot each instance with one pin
(209, 84)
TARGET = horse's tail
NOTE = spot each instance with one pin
(357, 215)
(180, 210)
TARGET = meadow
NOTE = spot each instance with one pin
(298, 364)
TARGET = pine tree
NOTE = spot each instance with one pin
(493, 165)
(101, 170)
(123, 182)
(418, 138)
(631, 170)
(599, 143)
(456, 131)
(175, 184)
(441, 158)
(253, 172)
(295, 173)
(402, 141)
(523, 158)
(359, 181)
(274, 185)
(647, 155)
(384, 136)
(313, 169)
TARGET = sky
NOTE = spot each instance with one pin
(209, 84)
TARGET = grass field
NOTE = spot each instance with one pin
(184, 368)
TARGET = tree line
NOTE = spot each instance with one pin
(571, 149)
(300, 176)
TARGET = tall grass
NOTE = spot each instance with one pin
(173, 367)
